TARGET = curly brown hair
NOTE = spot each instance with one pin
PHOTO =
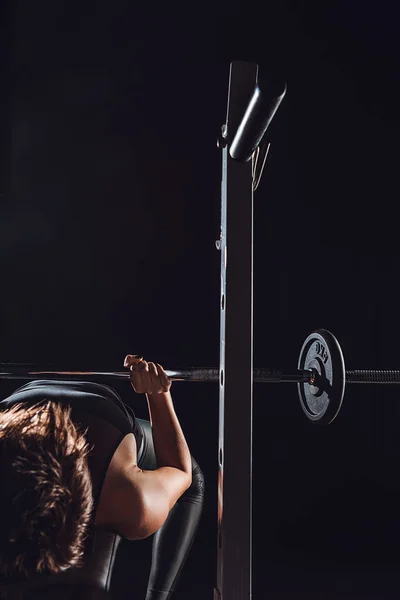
(46, 498)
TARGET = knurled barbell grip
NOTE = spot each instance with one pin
(259, 375)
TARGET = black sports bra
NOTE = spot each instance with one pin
(94, 398)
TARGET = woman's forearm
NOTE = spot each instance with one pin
(169, 442)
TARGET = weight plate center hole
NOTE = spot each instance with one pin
(317, 366)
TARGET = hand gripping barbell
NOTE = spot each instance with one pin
(321, 376)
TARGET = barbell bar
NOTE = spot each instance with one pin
(321, 376)
(188, 375)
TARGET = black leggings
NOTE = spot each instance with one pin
(172, 542)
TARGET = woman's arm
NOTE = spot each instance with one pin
(154, 493)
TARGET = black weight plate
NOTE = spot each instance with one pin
(322, 401)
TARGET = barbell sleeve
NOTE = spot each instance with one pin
(374, 376)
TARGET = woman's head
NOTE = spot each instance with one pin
(46, 496)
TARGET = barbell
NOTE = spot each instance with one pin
(320, 376)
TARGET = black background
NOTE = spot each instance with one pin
(110, 181)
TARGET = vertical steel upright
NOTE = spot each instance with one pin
(234, 560)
